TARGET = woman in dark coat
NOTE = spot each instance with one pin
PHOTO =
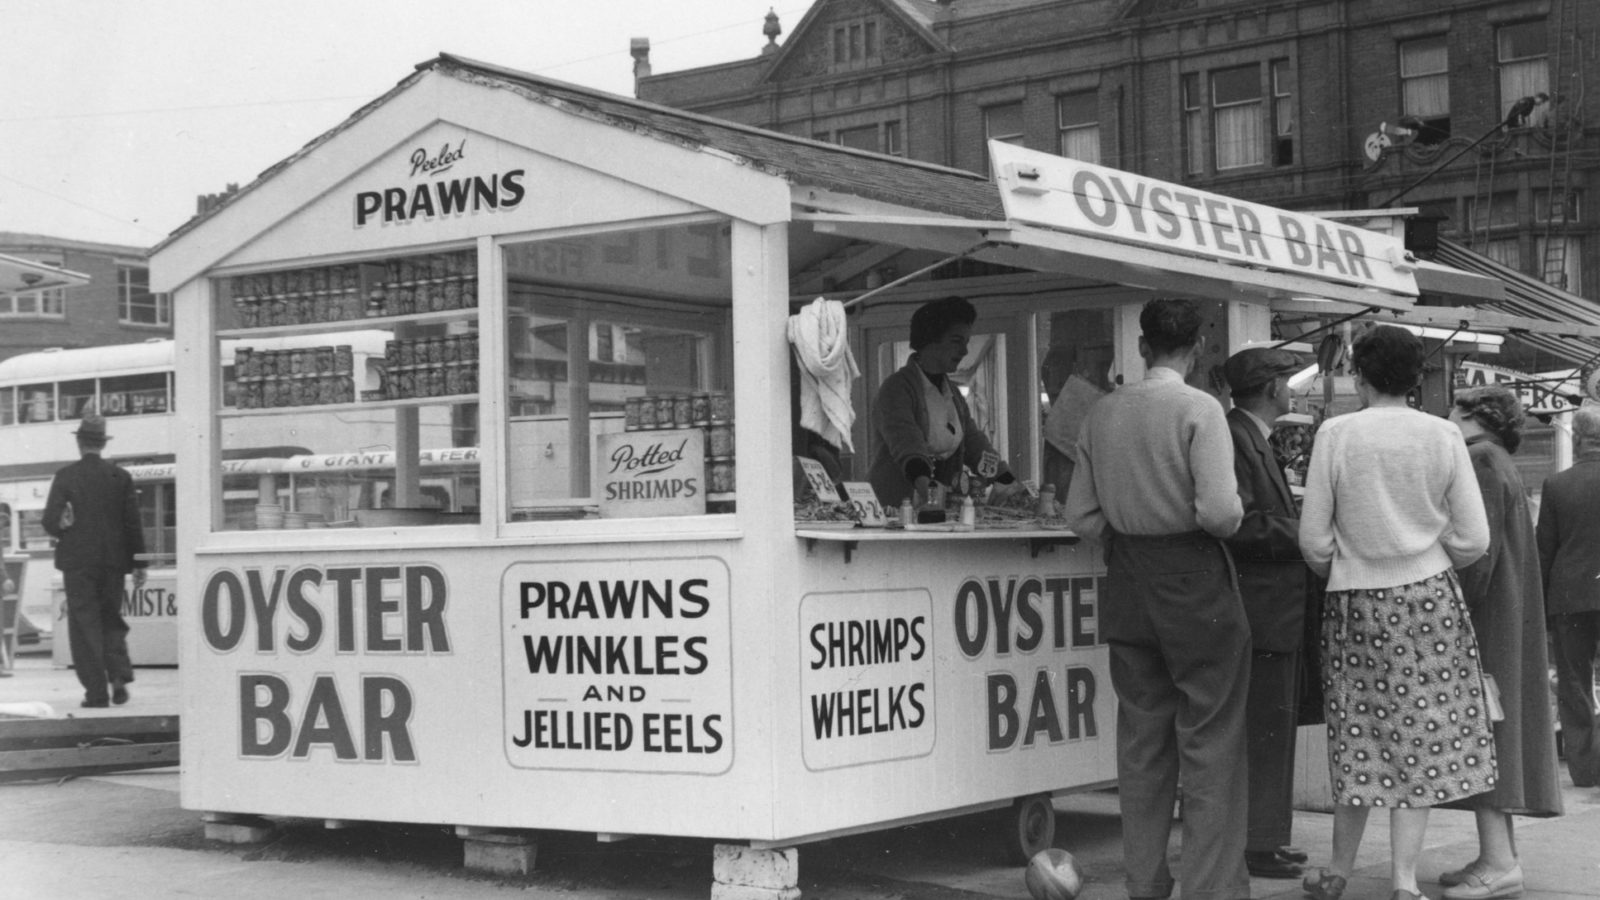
(1506, 603)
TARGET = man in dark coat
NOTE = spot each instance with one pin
(93, 513)
(1273, 584)
(1568, 533)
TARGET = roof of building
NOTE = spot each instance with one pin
(801, 161)
(14, 241)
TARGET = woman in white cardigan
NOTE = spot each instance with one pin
(1392, 508)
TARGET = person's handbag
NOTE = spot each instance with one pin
(1491, 699)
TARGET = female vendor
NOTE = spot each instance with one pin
(925, 432)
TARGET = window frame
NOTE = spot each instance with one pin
(130, 300)
(1254, 154)
(1536, 66)
(1436, 124)
(1078, 128)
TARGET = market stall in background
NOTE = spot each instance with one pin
(609, 620)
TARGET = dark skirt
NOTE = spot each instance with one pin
(1407, 725)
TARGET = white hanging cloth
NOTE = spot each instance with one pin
(821, 340)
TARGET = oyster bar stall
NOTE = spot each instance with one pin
(607, 618)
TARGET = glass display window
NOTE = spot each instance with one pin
(619, 374)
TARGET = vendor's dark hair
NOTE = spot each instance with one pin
(1390, 358)
(1497, 409)
(1170, 324)
(932, 319)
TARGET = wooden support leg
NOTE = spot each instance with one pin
(498, 852)
(743, 873)
(236, 828)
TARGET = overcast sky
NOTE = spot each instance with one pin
(116, 114)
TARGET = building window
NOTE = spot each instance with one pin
(863, 138)
(1078, 117)
(1236, 117)
(1497, 210)
(855, 43)
(136, 305)
(1561, 262)
(1003, 123)
(1193, 125)
(1425, 86)
(1282, 113)
(49, 302)
(1506, 252)
(1524, 57)
(883, 137)
(1569, 211)
(893, 142)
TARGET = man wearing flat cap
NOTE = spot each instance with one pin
(93, 513)
(1273, 585)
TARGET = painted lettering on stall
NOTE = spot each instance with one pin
(999, 617)
(378, 611)
(432, 199)
(861, 643)
(150, 601)
(648, 647)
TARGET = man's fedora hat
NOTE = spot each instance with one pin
(92, 427)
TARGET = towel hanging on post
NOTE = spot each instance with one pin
(821, 339)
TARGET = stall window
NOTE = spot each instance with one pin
(1077, 354)
(638, 422)
(368, 372)
(981, 380)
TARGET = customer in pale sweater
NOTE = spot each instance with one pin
(1392, 507)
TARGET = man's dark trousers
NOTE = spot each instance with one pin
(1180, 665)
(96, 630)
(1575, 637)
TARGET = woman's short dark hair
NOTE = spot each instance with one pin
(932, 319)
(1170, 324)
(1390, 358)
(1495, 408)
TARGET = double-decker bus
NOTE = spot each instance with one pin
(321, 467)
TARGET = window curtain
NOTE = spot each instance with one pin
(1081, 144)
(1239, 139)
(1524, 79)
(1506, 253)
(1424, 68)
(1571, 277)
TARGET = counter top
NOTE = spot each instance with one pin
(851, 537)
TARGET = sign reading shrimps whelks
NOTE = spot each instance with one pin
(618, 665)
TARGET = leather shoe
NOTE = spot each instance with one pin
(94, 704)
(1294, 854)
(1457, 876)
(119, 693)
(1271, 864)
(1484, 885)
(1323, 885)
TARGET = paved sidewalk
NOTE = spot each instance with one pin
(127, 836)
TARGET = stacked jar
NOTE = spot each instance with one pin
(296, 297)
(709, 411)
(427, 283)
(431, 366)
(309, 376)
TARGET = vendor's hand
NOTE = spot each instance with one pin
(138, 578)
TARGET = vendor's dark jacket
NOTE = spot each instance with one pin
(105, 532)
(1266, 548)
(901, 420)
(1569, 526)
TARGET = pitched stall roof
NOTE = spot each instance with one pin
(1530, 297)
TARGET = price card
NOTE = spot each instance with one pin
(817, 475)
(864, 504)
(989, 465)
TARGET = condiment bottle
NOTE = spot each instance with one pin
(907, 512)
(969, 512)
(1047, 502)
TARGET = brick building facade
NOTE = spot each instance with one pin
(1304, 104)
(115, 307)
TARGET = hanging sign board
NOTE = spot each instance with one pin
(652, 473)
(1068, 195)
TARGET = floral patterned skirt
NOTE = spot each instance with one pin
(1407, 725)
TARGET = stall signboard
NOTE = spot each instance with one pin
(867, 678)
(818, 478)
(652, 473)
(618, 665)
(1061, 193)
(864, 503)
(1546, 392)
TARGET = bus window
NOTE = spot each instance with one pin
(32, 535)
(132, 395)
(36, 403)
(8, 406)
(76, 397)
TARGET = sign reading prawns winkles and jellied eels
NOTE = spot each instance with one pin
(618, 665)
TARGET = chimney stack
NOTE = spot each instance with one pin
(639, 48)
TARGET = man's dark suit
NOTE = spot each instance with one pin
(1568, 533)
(1273, 584)
(94, 555)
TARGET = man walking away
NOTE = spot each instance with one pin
(1568, 533)
(1155, 483)
(1273, 585)
(93, 513)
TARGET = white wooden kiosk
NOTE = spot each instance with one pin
(545, 647)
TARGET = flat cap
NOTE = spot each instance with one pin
(1255, 366)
